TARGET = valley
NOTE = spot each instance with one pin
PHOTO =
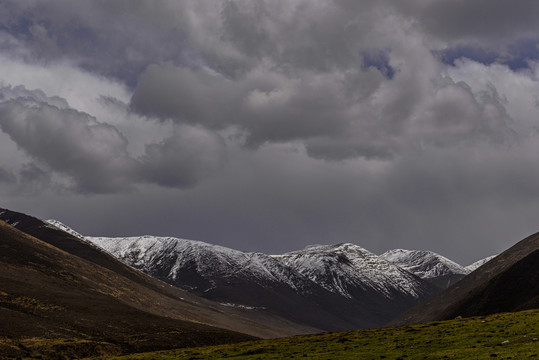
(500, 336)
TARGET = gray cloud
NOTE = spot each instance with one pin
(267, 104)
(271, 125)
(483, 20)
(185, 158)
(232, 37)
(6, 176)
(33, 179)
(324, 111)
(68, 141)
(95, 154)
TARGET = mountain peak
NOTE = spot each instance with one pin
(340, 247)
(479, 263)
(424, 263)
(342, 268)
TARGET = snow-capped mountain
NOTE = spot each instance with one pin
(423, 263)
(428, 265)
(479, 263)
(172, 259)
(431, 266)
(328, 287)
(345, 268)
(343, 284)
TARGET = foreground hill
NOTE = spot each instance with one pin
(490, 284)
(48, 294)
(516, 288)
(334, 287)
(501, 336)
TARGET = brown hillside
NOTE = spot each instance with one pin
(49, 294)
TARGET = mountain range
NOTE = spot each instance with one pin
(347, 286)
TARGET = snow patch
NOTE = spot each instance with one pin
(423, 263)
(244, 306)
(479, 263)
(58, 225)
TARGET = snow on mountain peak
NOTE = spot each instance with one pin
(171, 256)
(57, 224)
(341, 268)
(479, 263)
(425, 264)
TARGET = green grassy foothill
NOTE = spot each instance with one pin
(500, 336)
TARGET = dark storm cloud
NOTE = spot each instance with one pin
(482, 20)
(318, 79)
(68, 141)
(122, 38)
(95, 154)
(485, 31)
(33, 179)
(117, 39)
(323, 111)
(183, 159)
(6, 176)
(268, 105)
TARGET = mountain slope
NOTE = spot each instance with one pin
(515, 289)
(435, 307)
(428, 265)
(49, 294)
(149, 294)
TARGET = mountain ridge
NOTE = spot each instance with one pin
(218, 273)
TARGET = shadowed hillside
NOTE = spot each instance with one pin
(515, 289)
(438, 306)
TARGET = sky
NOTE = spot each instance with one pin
(272, 125)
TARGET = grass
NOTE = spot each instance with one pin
(500, 336)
